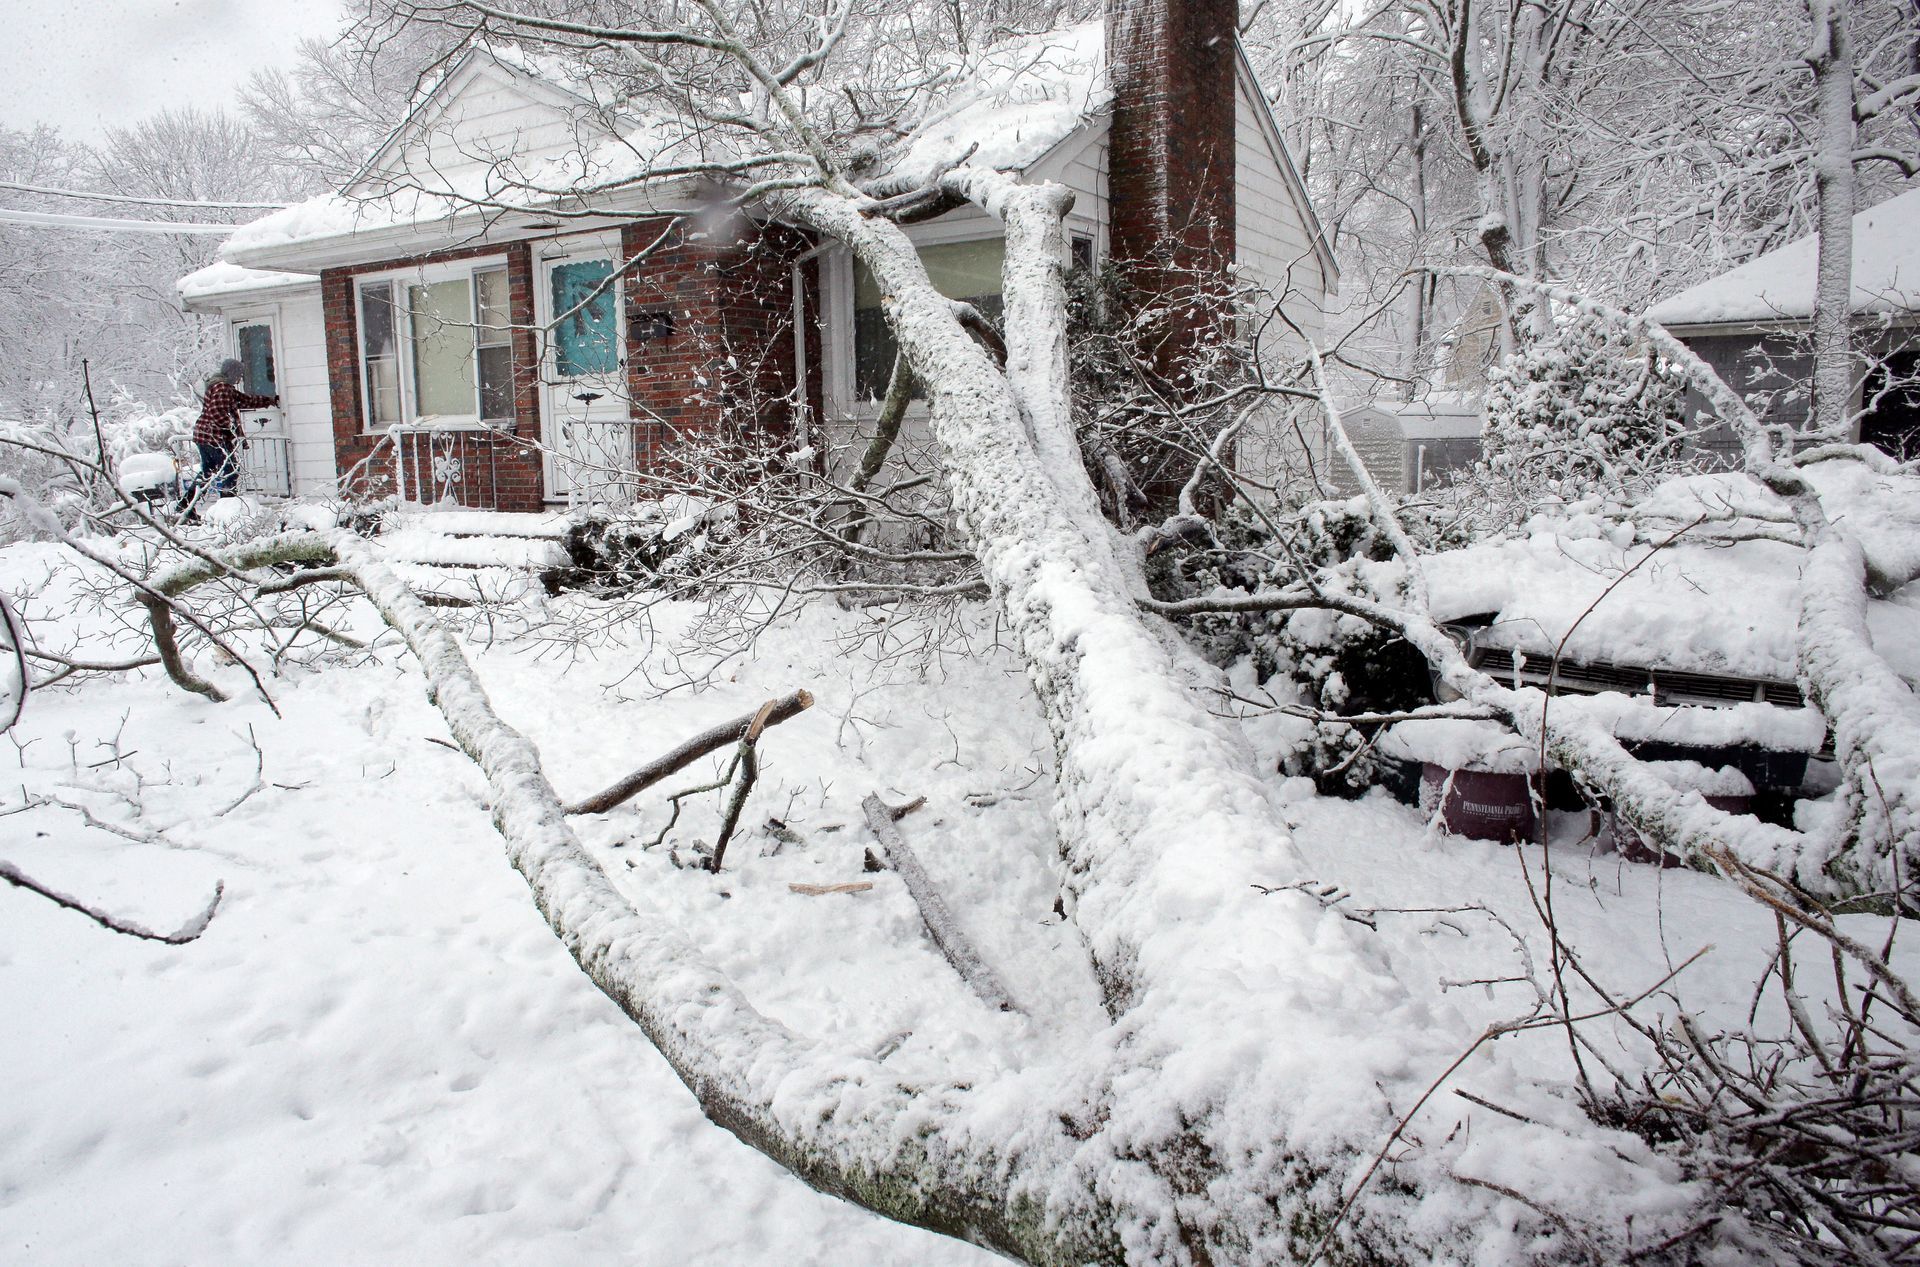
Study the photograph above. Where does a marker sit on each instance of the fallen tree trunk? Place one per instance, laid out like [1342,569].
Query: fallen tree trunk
[834,1117]
[1244,1081]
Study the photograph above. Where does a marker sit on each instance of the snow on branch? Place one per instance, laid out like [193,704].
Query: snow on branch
[836,1118]
[187,932]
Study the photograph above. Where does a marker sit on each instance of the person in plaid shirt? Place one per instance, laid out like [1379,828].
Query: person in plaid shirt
[217,435]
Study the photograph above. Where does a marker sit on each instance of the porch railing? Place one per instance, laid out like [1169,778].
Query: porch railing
[593,464]
[433,465]
[265,464]
[266,467]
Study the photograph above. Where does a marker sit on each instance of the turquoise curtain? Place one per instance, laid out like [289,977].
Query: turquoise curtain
[588,341]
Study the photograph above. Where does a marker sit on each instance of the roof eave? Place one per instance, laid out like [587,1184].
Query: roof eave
[218,301]
[471,226]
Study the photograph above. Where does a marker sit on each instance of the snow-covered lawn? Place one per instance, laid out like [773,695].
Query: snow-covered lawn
[379,1053]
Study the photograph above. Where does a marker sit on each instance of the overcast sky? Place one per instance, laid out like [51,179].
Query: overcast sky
[87,65]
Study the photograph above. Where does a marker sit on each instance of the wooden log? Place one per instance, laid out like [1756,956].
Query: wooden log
[749,763]
[692,750]
[941,925]
[819,890]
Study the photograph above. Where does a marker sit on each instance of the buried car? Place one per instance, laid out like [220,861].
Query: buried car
[1674,627]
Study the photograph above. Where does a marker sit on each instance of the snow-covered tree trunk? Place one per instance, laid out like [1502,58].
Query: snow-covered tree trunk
[1830,57]
[1164,827]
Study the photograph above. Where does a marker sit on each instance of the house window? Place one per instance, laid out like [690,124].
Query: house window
[437,348]
[255,344]
[968,271]
[586,338]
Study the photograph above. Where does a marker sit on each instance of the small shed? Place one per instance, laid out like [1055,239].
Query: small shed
[1413,445]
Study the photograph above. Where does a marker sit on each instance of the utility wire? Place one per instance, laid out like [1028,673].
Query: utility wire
[195,204]
[54,220]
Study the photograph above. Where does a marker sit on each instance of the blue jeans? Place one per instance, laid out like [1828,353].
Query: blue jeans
[219,471]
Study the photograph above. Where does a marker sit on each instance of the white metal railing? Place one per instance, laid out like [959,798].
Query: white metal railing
[439,465]
[264,464]
[593,465]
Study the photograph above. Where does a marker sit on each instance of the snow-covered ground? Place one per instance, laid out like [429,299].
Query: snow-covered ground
[378,1052]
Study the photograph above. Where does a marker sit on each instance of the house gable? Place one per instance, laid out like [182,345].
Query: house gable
[485,124]
[1281,239]
[1079,162]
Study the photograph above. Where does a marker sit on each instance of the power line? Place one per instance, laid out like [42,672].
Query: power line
[143,199]
[54,220]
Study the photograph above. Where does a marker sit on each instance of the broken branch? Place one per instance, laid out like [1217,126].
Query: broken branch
[941,925]
[180,937]
[749,762]
[692,750]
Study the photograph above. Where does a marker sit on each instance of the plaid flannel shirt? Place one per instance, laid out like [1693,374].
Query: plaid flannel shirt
[219,423]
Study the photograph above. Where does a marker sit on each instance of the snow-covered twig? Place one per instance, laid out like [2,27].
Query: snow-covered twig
[16,633]
[179,937]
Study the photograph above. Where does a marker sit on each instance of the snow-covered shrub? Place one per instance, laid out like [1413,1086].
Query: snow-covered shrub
[1322,660]
[58,457]
[1582,415]
[645,546]
[134,427]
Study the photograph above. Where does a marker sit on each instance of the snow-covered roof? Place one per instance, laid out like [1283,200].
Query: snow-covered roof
[1012,104]
[222,278]
[1008,106]
[1779,285]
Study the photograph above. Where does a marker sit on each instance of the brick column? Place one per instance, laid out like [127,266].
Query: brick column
[1171,166]
[724,374]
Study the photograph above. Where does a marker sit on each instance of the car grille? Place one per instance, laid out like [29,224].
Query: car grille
[1665,686]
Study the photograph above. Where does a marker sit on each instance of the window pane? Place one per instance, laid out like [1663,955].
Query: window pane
[442,333]
[966,270]
[587,341]
[490,300]
[256,353]
[383,391]
[376,319]
[379,355]
[958,270]
[496,383]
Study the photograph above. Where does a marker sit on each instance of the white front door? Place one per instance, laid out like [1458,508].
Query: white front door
[264,459]
[586,425]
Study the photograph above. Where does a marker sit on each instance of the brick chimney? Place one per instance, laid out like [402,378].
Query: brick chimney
[1171,164]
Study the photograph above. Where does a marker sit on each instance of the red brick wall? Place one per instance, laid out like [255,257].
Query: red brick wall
[1171,160]
[515,482]
[724,376]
